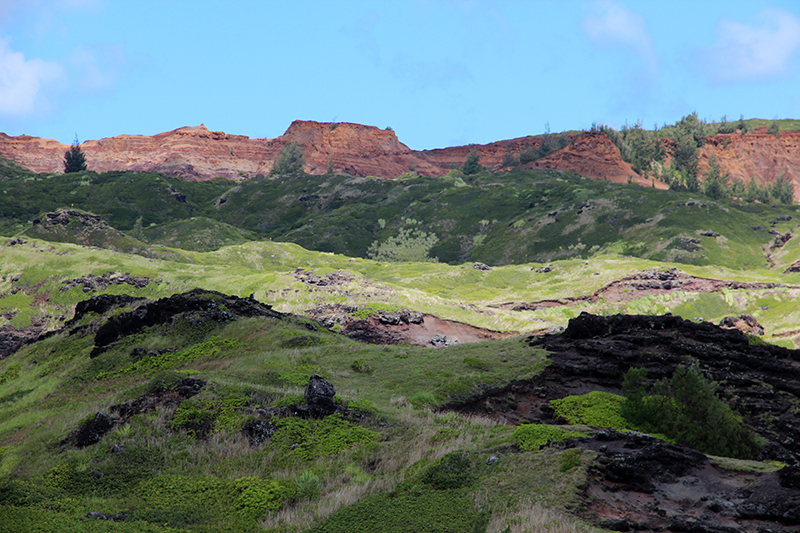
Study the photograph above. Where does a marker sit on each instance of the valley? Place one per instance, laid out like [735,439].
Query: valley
[188,343]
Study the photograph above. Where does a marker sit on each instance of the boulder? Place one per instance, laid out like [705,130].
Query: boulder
[319,397]
[93,430]
[744,323]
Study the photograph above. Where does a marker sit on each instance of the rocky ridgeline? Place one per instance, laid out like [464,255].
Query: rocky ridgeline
[196,153]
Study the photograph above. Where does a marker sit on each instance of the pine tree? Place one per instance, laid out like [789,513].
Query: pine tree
[74,160]
[472,164]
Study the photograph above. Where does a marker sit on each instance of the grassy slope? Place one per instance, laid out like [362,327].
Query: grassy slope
[166,480]
[454,292]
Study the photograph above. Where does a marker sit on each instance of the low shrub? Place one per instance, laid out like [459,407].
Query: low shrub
[423,399]
[450,472]
[530,437]
[309,439]
[569,459]
[596,408]
[362,367]
[254,497]
[308,486]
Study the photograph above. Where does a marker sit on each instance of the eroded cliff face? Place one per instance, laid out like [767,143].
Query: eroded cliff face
[196,153]
[762,156]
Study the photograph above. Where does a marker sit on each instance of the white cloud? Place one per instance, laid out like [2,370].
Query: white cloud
[614,24]
[754,52]
[25,84]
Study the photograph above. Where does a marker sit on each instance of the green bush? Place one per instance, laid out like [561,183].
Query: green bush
[290,161]
[411,244]
[409,511]
[308,486]
[423,399]
[362,367]
[255,497]
[472,163]
[687,410]
[596,408]
[317,438]
[362,406]
[569,459]
[450,472]
[531,437]
[773,128]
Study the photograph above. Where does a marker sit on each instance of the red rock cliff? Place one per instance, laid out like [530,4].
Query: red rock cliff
[195,153]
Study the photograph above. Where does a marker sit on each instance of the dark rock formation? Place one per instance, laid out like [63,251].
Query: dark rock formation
[639,483]
[207,305]
[259,431]
[12,339]
[91,431]
[744,323]
[319,397]
[100,283]
[759,381]
[403,316]
[100,304]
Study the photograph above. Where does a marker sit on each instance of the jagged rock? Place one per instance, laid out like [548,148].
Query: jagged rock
[12,339]
[481,266]
[319,395]
[92,430]
[259,431]
[646,460]
[17,241]
[789,476]
[96,515]
[205,304]
[403,316]
[166,396]
[102,303]
[99,283]
[744,323]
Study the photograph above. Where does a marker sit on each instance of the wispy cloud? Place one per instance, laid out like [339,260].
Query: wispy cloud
[33,86]
[613,24]
[754,51]
[26,85]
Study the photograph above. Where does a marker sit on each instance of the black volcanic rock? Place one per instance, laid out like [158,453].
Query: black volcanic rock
[319,397]
[210,305]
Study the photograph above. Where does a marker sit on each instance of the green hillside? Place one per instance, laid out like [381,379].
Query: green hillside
[511,218]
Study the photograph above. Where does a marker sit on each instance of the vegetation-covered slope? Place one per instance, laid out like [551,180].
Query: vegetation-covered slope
[511,218]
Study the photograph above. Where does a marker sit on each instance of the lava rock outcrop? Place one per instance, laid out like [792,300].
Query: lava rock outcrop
[205,304]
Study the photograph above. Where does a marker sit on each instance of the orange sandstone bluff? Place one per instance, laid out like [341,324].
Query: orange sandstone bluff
[195,153]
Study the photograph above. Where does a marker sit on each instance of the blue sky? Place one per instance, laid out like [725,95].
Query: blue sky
[440,73]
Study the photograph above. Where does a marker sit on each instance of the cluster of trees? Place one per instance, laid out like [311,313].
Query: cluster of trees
[644,150]
[290,160]
[686,408]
